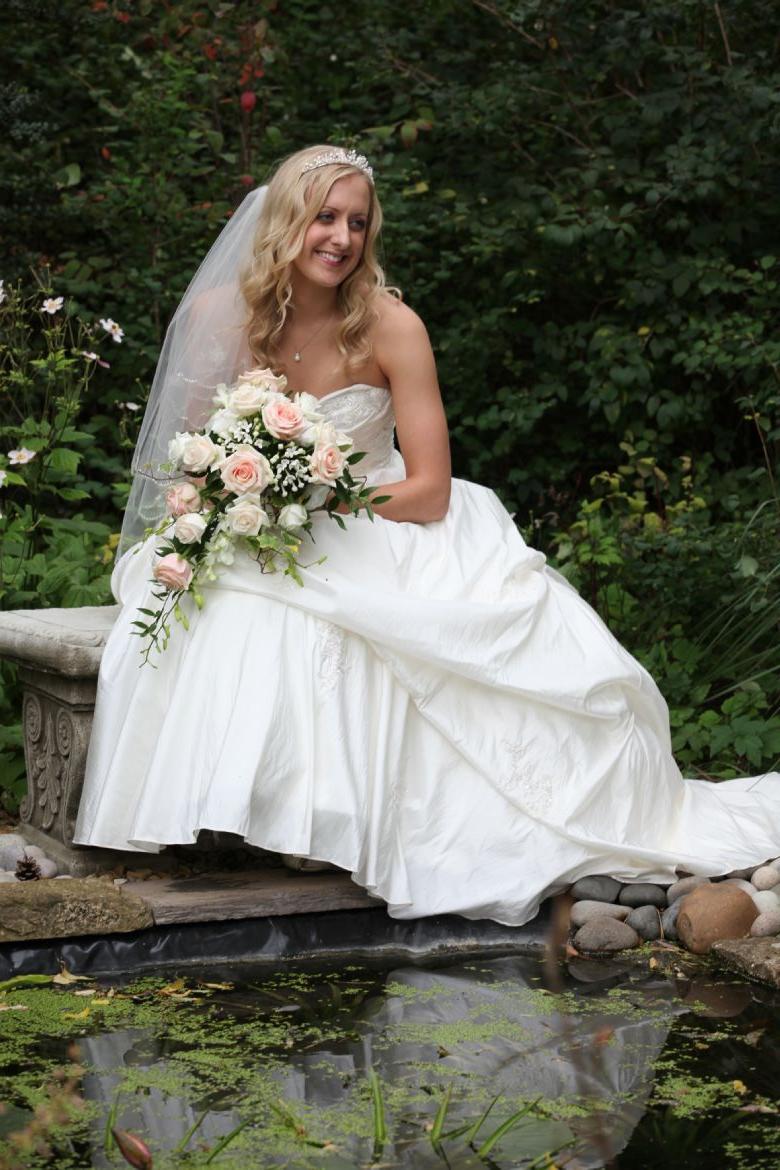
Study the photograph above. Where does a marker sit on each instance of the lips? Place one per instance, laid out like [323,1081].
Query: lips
[332,259]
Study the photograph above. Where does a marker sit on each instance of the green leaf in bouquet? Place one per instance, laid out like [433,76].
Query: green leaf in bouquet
[380,499]
[355,457]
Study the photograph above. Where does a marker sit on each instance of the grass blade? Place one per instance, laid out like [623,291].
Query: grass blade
[195,1125]
[477,1126]
[108,1137]
[505,1127]
[219,1147]
[379,1118]
[441,1114]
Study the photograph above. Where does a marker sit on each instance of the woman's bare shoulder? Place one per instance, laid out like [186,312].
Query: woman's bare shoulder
[396,321]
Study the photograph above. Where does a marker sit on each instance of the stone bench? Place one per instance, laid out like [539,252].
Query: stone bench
[58,653]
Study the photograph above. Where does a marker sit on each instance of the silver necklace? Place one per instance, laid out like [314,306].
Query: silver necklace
[297,353]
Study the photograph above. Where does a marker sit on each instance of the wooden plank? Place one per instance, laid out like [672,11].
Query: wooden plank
[258,893]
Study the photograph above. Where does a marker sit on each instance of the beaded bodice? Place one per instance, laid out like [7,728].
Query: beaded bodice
[366,413]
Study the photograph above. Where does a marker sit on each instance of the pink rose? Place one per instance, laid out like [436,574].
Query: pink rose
[182,498]
[327,463]
[246,470]
[283,418]
[173,572]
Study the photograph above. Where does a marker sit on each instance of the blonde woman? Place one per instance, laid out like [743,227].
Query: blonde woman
[436,711]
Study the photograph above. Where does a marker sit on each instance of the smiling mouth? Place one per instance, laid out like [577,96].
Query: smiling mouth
[332,259]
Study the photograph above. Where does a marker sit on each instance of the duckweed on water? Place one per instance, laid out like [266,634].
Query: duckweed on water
[628,1073]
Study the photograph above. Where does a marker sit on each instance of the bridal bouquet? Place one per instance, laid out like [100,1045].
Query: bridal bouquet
[251,479]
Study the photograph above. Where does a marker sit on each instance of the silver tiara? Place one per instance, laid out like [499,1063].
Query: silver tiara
[340,155]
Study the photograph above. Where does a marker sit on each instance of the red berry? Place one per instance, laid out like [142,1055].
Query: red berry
[248,101]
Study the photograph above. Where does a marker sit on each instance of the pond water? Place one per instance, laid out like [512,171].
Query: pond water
[499,1062]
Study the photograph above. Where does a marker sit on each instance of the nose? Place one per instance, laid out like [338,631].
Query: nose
[340,232]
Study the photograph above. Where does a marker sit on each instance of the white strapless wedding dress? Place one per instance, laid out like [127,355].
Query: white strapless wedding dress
[436,711]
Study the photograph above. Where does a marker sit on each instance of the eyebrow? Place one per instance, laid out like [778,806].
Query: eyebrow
[330,207]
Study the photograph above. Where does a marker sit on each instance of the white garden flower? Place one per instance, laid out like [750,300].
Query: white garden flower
[21,455]
[189,528]
[194,452]
[293,516]
[90,356]
[52,305]
[246,516]
[222,423]
[3,293]
[3,477]
[129,406]
[111,327]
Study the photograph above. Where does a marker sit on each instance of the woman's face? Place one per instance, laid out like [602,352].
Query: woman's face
[334,242]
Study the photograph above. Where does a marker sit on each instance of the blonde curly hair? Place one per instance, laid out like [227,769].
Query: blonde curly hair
[292,203]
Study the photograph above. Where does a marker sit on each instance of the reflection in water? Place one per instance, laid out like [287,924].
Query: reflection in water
[487,1027]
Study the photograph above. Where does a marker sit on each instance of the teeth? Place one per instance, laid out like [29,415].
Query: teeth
[330,256]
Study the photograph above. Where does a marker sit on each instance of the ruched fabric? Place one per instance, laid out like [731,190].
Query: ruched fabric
[436,711]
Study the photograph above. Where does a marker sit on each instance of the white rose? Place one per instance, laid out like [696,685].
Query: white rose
[245,517]
[248,399]
[194,452]
[293,516]
[222,423]
[309,405]
[189,528]
[266,379]
[318,495]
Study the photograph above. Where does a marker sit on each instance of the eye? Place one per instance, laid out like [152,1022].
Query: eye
[325,216]
[358,225]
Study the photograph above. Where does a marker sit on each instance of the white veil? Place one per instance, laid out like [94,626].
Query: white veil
[205,344]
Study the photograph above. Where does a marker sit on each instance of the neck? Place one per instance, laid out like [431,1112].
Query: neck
[311,302]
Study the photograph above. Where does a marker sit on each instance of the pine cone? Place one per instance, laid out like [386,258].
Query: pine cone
[27,869]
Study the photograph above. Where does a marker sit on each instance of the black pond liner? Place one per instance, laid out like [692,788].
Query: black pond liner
[367,935]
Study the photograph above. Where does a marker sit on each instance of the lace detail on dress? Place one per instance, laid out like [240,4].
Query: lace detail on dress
[332,644]
[365,413]
[528,781]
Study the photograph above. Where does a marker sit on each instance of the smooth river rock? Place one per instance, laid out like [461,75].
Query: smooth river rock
[582,912]
[766,877]
[646,921]
[643,894]
[766,900]
[758,958]
[598,888]
[714,912]
[42,910]
[767,925]
[12,848]
[669,920]
[683,887]
[604,934]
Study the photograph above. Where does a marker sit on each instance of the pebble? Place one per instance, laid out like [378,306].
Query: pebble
[582,912]
[741,884]
[713,912]
[646,921]
[669,920]
[11,850]
[598,888]
[605,934]
[35,851]
[766,900]
[683,887]
[47,867]
[766,877]
[766,925]
[643,894]
[5,876]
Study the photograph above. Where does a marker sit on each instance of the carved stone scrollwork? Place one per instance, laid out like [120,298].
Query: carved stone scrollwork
[49,735]
[56,733]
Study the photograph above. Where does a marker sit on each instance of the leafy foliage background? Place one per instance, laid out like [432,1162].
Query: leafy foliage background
[581,203]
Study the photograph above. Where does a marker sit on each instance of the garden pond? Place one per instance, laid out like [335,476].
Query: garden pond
[499,1061]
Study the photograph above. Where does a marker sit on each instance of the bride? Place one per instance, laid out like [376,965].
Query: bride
[436,710]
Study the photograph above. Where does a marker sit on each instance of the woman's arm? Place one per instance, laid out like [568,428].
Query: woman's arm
[404,354]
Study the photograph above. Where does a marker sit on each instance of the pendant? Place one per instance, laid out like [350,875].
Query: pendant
[296,356]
